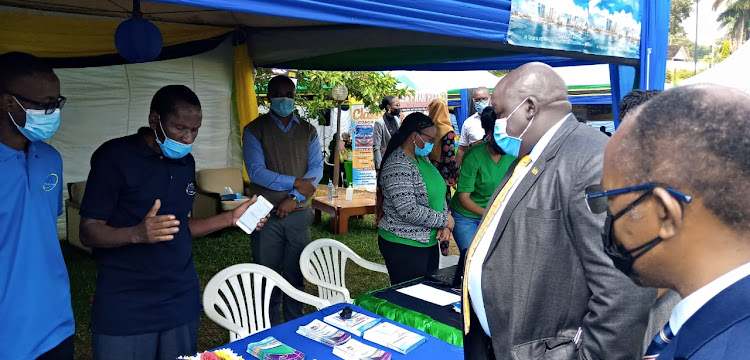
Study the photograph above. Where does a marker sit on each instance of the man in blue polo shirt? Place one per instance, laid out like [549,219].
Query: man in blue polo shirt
[135,215]
[36,319]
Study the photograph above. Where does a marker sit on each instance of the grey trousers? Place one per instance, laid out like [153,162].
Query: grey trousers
[278,245]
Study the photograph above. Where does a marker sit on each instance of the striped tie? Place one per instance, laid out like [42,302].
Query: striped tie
[659,343]
[517,171]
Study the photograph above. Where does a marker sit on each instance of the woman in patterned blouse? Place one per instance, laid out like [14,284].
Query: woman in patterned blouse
[443,155]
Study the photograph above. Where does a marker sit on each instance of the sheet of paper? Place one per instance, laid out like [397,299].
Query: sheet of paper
[430,294]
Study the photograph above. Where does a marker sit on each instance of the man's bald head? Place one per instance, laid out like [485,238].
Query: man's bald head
[694,138]
[533,98]
[533,79]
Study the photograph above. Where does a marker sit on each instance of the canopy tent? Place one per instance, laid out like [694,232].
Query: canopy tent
[305,34]
[731,72]
[335,34]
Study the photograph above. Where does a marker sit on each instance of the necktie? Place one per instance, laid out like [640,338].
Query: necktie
[659,343]
[517,171]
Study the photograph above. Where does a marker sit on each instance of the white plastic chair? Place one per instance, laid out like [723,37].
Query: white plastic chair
[323,263]
[238,298]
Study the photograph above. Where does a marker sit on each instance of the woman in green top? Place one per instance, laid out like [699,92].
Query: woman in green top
[414,211]
[482,170]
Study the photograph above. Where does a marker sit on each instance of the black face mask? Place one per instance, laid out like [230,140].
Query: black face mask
[395,112]
[622,258]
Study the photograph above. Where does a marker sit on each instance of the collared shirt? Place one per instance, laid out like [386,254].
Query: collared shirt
[268,179]
[475,269]
[471,130]
[35,310]
[141,288]
[693,302]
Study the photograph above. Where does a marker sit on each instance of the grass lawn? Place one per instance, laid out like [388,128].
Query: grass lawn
[213,254]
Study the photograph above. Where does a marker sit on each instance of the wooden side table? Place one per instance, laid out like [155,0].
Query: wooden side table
[341,210]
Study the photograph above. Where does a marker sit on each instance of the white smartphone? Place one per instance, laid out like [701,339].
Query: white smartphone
[252,216]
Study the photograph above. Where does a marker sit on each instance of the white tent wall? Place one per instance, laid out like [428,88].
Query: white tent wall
[731,72]
[113,101]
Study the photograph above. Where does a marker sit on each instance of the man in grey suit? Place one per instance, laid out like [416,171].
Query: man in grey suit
[537,283]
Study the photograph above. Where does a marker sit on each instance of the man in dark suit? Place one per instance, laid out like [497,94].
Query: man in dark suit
[537,283]
[677,179]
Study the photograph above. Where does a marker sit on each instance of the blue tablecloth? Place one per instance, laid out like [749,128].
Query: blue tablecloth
[433,348]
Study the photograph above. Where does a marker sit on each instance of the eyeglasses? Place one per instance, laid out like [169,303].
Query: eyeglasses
[48,108]
[431,138]
[596,199]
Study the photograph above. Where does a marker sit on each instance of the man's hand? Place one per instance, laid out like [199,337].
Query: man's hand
[286,206]
[154,228]
[451,222]
[305,187]
[238,211]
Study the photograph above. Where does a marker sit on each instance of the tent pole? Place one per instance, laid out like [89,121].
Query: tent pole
[648,68]
[336,150]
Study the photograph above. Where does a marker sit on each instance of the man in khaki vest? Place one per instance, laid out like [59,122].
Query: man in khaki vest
[284,161]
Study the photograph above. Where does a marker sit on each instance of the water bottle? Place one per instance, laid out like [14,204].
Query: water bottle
[350,193]
[330,190]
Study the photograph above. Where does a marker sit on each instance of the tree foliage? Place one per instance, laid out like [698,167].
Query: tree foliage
[680,10]
[724,50]
[314,89]
[675,76]
[736,18]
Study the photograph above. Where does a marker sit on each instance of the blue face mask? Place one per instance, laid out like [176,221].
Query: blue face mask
[426,150]
[282,106]
[39,126]
[170,148]
[510,145]
[479,106]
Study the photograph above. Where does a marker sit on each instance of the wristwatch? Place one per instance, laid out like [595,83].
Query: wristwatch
[293,197]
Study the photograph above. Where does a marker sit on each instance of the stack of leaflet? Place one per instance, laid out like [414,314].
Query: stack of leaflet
[355,350]
[394,337]
[272,349]
[356,325]
[323,333]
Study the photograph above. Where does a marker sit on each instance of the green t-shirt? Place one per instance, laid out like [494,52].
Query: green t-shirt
[480,176]
[436,189]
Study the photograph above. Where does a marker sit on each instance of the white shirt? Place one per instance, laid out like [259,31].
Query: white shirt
[475,268]
[691,304]
[471,130]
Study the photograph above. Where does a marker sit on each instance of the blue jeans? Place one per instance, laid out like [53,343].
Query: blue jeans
[464,230]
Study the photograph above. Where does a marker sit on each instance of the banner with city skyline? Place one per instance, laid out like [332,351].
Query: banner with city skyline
[601,27]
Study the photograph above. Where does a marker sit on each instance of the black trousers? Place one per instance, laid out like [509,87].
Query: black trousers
[63,351]
[406,262]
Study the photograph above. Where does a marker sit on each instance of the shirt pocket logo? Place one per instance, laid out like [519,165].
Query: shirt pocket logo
[50,182]
[190,190]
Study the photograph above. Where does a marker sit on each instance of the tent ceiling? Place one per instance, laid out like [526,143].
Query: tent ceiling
[354,34]
[161,12]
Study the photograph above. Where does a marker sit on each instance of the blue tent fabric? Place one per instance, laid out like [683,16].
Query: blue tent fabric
[654,40]
[462,111]
[478,19]
[653,64]
[590,100]
[622,81]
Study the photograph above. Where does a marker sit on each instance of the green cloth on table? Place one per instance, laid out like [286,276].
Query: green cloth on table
[436,190]
[480,176]
[411,318]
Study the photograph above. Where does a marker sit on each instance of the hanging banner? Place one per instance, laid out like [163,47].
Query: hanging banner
[363,164]
[601,27]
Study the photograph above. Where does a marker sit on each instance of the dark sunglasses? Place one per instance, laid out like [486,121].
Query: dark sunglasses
[49,107]
[596,199]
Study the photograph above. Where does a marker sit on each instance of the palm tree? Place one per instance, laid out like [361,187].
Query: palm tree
[736,18]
